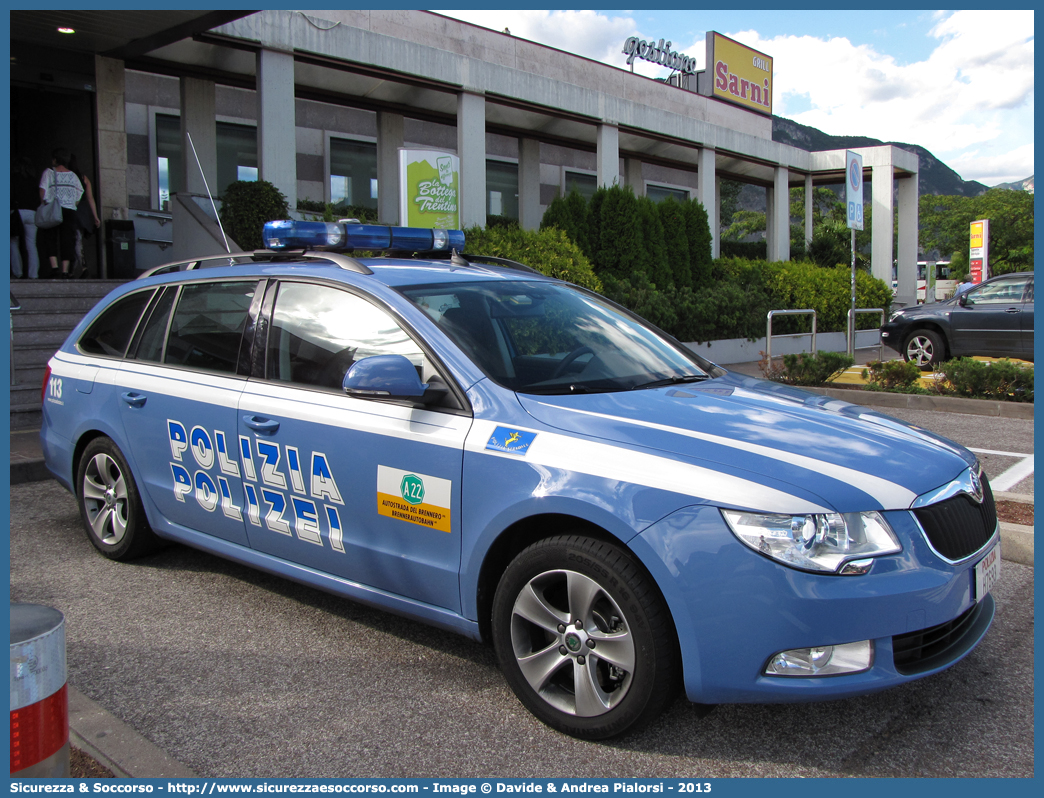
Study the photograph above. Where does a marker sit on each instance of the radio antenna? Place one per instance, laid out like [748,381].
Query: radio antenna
[228,249]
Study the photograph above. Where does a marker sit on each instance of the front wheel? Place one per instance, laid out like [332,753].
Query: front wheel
[110,506]
[584,638]
[924,348]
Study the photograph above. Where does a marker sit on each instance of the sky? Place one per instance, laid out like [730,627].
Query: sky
[958,83]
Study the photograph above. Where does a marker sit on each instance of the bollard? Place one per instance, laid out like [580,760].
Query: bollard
[39,696]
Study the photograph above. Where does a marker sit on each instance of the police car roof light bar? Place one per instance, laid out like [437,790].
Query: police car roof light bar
[345,237]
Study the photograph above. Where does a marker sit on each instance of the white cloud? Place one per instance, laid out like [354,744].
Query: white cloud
[990,170]
[962,95]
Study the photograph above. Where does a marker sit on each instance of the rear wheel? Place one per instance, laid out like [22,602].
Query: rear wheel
[924,348]
[584,638]
[110,506]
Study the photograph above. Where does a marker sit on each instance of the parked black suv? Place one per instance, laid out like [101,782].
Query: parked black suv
[994,319]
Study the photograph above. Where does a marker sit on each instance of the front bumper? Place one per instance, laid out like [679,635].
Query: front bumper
[734,609]
[892,336]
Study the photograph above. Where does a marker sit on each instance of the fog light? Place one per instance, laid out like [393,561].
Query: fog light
[822,660]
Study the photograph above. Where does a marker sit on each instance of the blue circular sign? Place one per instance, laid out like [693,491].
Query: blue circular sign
[855,173]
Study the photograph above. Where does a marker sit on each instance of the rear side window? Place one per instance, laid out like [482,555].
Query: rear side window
[112,330]
[208,325]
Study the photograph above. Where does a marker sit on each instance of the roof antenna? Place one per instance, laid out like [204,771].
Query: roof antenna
[228,249]
[457,260]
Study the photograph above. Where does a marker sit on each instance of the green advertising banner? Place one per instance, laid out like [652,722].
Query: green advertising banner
[429,189]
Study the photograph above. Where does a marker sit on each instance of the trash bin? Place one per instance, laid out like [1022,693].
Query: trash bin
[119,249]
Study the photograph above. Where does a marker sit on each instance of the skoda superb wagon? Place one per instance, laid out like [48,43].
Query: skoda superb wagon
[474,445]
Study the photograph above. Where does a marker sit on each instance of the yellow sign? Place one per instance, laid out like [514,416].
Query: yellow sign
[740,75]
[976,235]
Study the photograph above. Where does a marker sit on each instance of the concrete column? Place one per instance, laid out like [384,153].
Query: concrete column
[608,155]
[881,235]
[109,97]
[529,214]
[708,187]
[779,227]
[390,138]
[633,176]
[276,122]
[770,225]
[198,106]
[907,254]
[809,206]
[471,148]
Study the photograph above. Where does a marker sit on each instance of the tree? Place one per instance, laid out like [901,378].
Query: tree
[946,221]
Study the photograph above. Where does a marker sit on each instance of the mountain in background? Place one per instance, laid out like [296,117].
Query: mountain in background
[1018,185]
[934,177]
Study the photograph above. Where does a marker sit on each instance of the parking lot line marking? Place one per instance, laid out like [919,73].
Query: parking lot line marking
[1014,475]
[1002,454]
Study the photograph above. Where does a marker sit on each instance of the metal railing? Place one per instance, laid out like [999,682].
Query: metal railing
[15,305]
[768,329]
[852,331]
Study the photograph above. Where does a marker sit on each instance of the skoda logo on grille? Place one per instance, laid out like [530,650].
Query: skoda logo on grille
[976,485]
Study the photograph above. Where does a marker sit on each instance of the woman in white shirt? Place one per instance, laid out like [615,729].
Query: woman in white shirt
[61,241]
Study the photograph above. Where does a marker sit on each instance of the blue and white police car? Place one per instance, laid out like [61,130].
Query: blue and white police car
[469,443]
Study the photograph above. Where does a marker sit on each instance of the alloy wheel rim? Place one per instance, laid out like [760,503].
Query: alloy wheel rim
[105,499]
[572,643]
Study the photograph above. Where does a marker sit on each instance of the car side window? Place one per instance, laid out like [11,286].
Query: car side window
[318,332]
[112,330]
[150,347]
[207,327]
[1001,292]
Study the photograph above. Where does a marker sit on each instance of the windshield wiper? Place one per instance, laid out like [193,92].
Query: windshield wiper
[671,381]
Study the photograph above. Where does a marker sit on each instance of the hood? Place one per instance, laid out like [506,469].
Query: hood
[851,457]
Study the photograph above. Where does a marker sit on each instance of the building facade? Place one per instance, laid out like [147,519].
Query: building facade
[320,102]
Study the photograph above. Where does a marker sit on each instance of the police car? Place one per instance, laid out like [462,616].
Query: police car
[474,445]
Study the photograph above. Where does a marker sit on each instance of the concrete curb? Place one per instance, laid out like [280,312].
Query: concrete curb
[1017,543]
[944,404]
[116,745]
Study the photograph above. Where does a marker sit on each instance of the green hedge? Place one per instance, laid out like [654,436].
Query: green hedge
[245,207]
[548,251]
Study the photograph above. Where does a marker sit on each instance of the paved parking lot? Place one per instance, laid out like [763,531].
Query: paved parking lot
[237,673]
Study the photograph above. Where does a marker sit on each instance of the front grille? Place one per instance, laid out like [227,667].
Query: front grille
[924,650]
[959,527]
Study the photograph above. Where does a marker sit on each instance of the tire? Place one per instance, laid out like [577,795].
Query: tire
[110,505]
[614,672]
[924,348]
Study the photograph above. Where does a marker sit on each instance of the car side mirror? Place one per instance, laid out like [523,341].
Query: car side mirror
[384,377]
[962,300]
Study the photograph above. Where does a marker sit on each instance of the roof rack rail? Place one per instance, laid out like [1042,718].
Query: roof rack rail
[258,256]
[488,260]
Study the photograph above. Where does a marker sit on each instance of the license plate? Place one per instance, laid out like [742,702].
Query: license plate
[987,572]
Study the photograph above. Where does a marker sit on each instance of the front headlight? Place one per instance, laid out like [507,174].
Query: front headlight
[823,542]
[895,315]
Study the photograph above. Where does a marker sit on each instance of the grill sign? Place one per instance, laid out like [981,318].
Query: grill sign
[740,75]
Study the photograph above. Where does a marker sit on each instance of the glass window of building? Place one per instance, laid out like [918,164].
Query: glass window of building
[236,156]
[502,189]
[660,193]
[583,183]
[353,173]
[168,157]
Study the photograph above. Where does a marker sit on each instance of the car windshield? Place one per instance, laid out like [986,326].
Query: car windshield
[552,338]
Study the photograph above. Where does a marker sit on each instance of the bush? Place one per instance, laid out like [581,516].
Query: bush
[548,251]
[697,228]
[892,375]
[753,250]
[808,369]
[246,206]
[673,218]
[329,212]
[1003,379]
[570,214]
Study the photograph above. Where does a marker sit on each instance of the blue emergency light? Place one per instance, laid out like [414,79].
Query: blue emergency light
[348,236]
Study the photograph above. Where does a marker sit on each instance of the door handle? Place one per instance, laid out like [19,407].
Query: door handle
[134,399]
[266,426]
[1013,310]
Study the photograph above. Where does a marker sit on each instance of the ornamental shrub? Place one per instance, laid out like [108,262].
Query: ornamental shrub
[246,206]
[676,241]
[548,251]
[570,215]
[808,369]
[1004,380]
[697,227]
[892,375]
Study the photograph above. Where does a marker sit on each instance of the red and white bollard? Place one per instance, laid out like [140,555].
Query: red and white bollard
[39,695]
